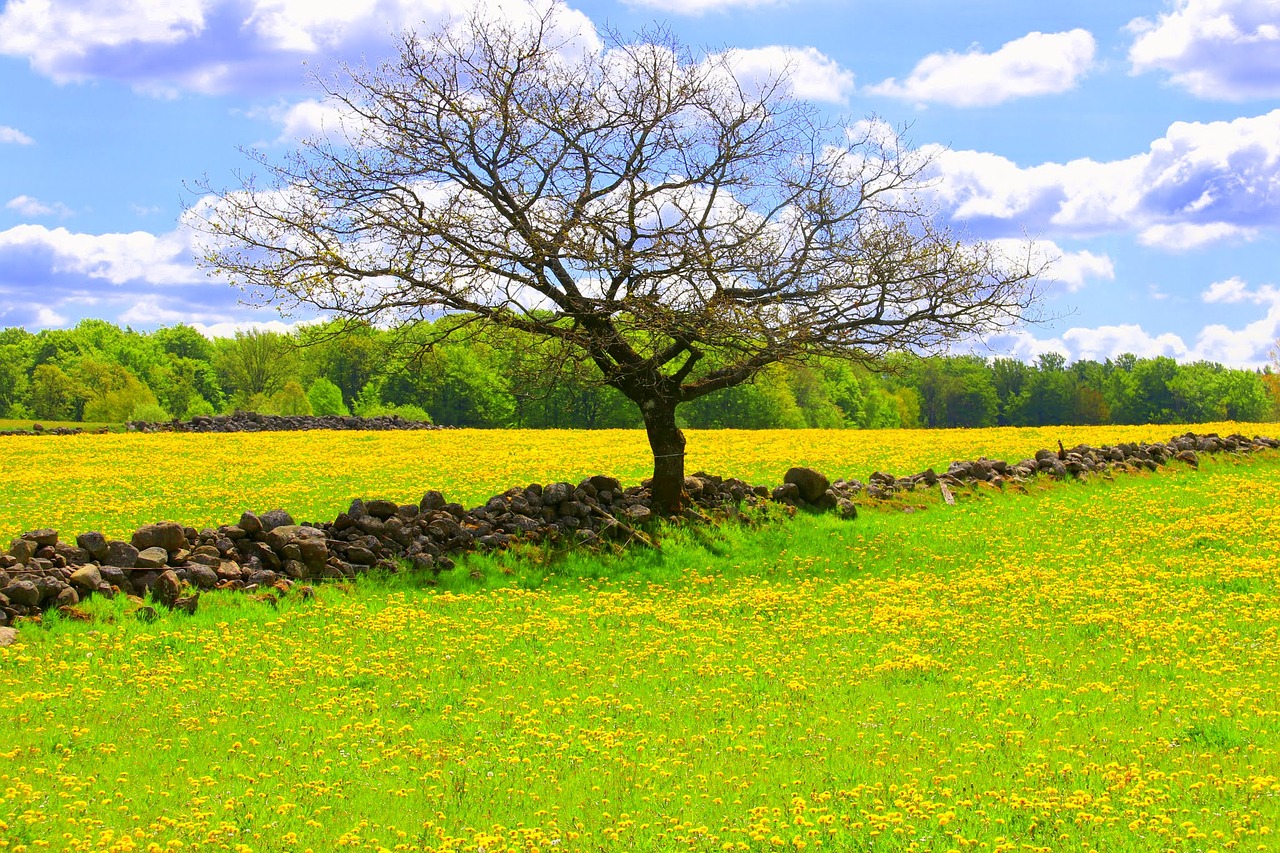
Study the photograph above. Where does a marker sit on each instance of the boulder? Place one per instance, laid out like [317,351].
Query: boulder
[165,534]
[154,557]
[121,554]
[8,636]
[43,536]
[23,550]
[167,590]
[273,519]
[22,592]
[250,524]
[88,578]
[381,509]
[809,483]
[432,501]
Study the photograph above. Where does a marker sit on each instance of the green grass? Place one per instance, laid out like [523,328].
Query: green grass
[1090,666]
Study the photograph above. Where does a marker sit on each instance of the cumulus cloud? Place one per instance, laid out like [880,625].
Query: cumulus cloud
[219,46]
[1073,270]
[1202,182]
[813,75]
[700,7]
[13,136]
[113,258]
[1036,64]
[29,206]
[1185,236]
[1219,49]
[1247,346]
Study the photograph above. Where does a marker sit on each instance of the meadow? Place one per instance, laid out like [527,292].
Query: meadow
[1088,666]
[114,483]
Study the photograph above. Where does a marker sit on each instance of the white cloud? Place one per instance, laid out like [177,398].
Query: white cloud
[1185,236]
[217,46]
[700,7]
[13,136]
[114,258]
[1235,291]
[228,328]
[1219,49]
[1202,182]
[28,206]
[812,75]
[1070,269]
[1036,64]
[47,318]
[1248,346]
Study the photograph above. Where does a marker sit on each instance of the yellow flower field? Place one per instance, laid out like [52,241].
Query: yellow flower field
[1089,667]
[114,483]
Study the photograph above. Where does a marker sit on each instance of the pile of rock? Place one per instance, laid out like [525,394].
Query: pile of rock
[270,550]
[255,422]
[1079,462]
[40,429]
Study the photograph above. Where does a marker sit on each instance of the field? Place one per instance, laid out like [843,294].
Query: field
[1084,667]
[114,483]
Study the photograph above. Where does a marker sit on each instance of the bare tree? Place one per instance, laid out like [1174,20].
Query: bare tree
[626,204]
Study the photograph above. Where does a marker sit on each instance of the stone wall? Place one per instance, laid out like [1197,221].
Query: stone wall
[271,550]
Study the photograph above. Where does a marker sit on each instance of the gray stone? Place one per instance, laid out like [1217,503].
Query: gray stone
[8,636]
[67,597]
[847,509]
[637,514]
[273,519]
[432,501]
[93,542]
[202,577]
[87,578]
[121,554]
[154,557]
[22,592]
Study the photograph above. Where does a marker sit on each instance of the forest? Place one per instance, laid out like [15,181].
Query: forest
[98,372]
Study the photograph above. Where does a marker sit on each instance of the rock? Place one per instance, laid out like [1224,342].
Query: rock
[847,509]
[1189,457]
[154,557]
[273,519]
[187,604]
[250,524]
[22,550]
[166,590]
[809,483]
[66,597]
[121,554]
[787,493]
[8,636]
[361,556]
[146,613]
[556,493]
[72,555]
[88,578]
[432,501]
[165,534]
[22,592]
[381,509]
[637,514]
[203,577]
[43,536]
[605,484]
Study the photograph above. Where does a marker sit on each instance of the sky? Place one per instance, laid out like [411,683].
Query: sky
[1137,143]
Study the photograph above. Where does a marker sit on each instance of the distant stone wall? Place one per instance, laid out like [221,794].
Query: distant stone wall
[272,551]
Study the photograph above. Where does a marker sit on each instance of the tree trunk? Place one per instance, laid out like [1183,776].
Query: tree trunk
[667,443]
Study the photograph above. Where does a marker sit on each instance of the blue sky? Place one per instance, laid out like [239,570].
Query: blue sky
[1137,142]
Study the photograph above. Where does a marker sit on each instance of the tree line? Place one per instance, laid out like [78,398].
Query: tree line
[100,372]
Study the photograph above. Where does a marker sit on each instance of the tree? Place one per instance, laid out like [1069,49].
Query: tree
[254,362]
[633,204]
[326,398]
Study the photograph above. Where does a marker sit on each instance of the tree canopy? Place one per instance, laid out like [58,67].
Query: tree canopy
[627,204]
